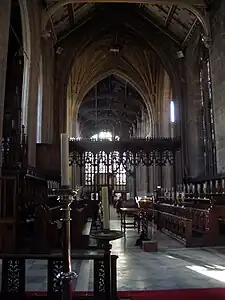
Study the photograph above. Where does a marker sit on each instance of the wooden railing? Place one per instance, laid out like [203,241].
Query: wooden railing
[199,217]
[14,275]
[179,227]
[186,223]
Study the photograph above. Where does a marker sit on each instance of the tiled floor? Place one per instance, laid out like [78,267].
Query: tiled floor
[172,267]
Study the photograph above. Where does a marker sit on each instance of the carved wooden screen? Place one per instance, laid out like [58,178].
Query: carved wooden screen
[113,162]
[104,168]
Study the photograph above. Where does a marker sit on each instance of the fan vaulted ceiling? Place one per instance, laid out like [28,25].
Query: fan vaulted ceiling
[174,21]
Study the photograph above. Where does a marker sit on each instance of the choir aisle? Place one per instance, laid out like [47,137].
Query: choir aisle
[181,272]
[173,267]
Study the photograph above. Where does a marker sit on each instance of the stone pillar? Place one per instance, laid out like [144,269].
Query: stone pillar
[192,107]
[48,56]
[32,111]
[34,17]
[5,12]
[217,56]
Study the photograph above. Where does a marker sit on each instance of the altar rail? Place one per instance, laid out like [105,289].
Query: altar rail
[14,276]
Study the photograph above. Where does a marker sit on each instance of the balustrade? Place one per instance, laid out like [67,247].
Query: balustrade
[14,275]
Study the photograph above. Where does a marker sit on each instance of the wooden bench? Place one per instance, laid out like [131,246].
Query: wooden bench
[193,226]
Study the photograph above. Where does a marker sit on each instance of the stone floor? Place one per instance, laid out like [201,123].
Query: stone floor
[172,267]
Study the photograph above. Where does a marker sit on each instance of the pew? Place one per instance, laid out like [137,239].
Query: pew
[48,226]
[20,194]
[31,217]
[193,224]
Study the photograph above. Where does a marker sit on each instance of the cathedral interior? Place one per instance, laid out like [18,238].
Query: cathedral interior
[112,161]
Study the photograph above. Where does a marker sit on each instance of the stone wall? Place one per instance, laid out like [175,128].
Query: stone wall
[217,55]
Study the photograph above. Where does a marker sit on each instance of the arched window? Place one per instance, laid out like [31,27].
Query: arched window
[172,111]
[104,135]
[39,107]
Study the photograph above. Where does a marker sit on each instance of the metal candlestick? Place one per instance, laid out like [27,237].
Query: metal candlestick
[65,198]
[104,239]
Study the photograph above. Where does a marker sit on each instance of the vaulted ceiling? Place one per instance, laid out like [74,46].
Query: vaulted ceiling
[111,105]
[136,42]
[174,21]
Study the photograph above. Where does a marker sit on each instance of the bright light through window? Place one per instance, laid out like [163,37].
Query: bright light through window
[104,135]
[172,112]
[101,166]
[215,272]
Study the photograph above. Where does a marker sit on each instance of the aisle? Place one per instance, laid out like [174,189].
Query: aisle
[172,267]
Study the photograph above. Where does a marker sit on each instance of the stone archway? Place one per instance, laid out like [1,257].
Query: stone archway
[68,58]
[125,77]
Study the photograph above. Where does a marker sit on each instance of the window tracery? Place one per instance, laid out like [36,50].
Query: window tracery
[104,164]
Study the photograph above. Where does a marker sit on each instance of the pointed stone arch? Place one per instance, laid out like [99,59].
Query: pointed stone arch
[122,75]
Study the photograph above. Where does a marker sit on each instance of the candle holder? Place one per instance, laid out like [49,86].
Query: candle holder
[65,198]
[199,190]
[188,190]
[223,186]
[211,187]
[217,187]
[205,189]
[103,238]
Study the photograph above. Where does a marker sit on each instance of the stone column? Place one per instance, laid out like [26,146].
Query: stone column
[48,56]
[217,58]
[34,18]
[5,12]
[192,108]
[32,111]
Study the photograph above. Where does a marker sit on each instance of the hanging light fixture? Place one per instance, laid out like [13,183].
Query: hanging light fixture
[115,48]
